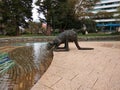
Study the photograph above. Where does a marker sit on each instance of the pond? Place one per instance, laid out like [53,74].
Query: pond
[22,67]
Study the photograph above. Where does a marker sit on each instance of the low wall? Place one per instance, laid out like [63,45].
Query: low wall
[49,38]
[100,38]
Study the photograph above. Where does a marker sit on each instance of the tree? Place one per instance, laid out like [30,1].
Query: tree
[45,8]
[15,14]
[82,9]
[64,14]
[58,13]
[1,19]
[119,11]
[34,27]
[104,15]
[90,25]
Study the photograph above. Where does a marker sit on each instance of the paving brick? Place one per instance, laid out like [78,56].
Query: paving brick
[97,69]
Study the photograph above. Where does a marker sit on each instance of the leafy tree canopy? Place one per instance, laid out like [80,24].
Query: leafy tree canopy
[64,14]
[14,13]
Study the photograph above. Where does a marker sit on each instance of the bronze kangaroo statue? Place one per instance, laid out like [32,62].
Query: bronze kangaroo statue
[64,38]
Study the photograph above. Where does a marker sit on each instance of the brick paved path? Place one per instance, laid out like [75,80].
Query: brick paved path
[97,69]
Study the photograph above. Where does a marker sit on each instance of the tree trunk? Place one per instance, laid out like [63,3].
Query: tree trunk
[48,30]
[17,31]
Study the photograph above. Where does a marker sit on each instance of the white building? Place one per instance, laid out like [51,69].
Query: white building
[110,6]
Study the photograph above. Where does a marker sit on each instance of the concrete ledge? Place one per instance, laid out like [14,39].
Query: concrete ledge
[49,38]
[100,38]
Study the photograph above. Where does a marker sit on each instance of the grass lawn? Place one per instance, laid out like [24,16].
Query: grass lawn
[42,36]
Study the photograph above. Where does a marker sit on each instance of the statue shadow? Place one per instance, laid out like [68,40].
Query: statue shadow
[60,50]
[64,50]
[86,48]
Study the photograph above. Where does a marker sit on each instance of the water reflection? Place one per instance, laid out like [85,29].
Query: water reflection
[31,61]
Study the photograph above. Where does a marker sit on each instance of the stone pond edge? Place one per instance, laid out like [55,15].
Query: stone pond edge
[49,38]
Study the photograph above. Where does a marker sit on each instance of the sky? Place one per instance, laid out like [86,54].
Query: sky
[35,14]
